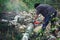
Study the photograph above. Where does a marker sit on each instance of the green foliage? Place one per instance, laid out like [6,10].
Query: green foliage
[30,3]
[7,5]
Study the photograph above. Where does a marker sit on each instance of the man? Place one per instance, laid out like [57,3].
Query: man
[47,11]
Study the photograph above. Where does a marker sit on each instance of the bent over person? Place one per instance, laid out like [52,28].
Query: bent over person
[48,13]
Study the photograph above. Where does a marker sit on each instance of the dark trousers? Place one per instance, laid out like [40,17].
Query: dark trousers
[47,19]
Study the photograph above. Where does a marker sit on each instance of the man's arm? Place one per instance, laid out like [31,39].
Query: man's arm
[36,16]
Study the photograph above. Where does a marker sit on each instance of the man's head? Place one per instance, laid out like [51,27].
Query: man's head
[36,4]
